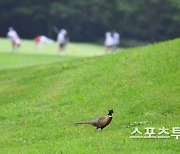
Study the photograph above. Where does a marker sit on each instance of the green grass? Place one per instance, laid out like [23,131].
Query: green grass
[28,54]
[9,60]
[40,104]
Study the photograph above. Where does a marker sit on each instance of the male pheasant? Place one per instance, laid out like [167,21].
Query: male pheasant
[100,122]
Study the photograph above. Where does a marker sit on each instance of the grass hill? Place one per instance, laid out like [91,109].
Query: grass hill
[39,105]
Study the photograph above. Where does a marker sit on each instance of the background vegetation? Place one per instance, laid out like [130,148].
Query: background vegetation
[88,20]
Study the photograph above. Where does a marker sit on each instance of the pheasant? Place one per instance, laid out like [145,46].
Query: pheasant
[101,122]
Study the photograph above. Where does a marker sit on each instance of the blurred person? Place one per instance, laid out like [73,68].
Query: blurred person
[41,39]
[14,37]
[109,41]
[116,38]
[62,40]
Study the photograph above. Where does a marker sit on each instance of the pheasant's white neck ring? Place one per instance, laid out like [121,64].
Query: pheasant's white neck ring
[110,116]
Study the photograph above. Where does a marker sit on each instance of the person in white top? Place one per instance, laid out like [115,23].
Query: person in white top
[14,37]
[109,41]
[62,40]
[41,39]
[116,38]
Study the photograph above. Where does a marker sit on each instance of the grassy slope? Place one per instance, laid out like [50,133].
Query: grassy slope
[39,105]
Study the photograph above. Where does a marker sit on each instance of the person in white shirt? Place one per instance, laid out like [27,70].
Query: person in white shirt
[62,40]
[109,41]
[116,38]
[14,37]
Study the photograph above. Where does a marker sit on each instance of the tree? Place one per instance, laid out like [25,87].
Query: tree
[144,20]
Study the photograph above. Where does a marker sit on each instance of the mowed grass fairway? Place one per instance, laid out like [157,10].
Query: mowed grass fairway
[28,54]
[39,105]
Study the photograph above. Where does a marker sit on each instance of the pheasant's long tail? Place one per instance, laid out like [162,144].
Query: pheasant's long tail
[85,122]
